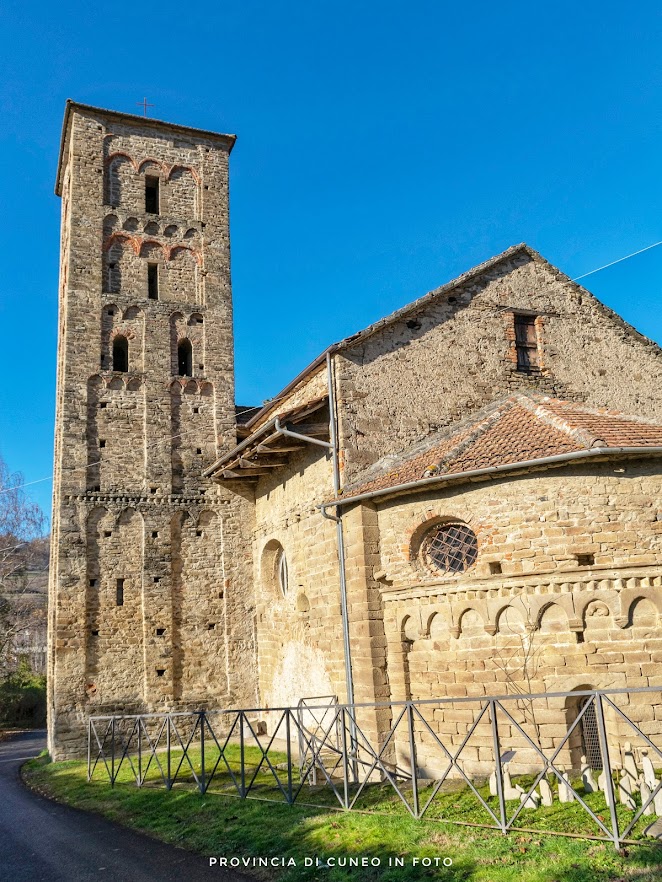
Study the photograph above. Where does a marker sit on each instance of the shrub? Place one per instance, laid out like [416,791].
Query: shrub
[23,698]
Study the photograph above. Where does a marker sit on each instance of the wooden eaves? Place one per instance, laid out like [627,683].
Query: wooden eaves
[267,448]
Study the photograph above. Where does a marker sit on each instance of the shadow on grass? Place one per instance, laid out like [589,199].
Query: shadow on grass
[221,826]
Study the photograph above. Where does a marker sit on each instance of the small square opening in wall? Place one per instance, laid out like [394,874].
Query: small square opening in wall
[155,534]
[102,443]
[198,533]
[152,489]
[103,405]
[97,488]
[220,595]
[160,632]
[211,626]
[95,632]
[495,568]
[196,410]
[157,579]
[585,560]
[107,533]
[198,450]
[93,583]
[201,367]
[160,672]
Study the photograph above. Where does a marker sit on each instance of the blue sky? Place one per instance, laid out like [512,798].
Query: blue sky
[383,148]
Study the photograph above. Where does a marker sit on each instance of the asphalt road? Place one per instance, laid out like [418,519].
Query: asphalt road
[43,841]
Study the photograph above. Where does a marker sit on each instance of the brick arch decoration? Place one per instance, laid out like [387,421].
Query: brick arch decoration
[145,245]
[436,619]
[121,154]
[137,243]
[120,236]
[115,182]
[206,518]
[132,312]
[110,224]
[122,331]
[610,600]
[175,250]
[642,598]
[501,618]
[127,516]
[410,624]
[151,161]
[187,168]
[547,607]
[478,608]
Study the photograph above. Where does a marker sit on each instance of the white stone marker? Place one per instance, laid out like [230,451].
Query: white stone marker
[565,790]
[546,795]
[588,780]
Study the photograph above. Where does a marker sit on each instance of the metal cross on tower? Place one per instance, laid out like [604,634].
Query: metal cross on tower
[144,104]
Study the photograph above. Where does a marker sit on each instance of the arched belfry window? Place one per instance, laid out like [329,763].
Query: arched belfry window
[121,354]
[185,358]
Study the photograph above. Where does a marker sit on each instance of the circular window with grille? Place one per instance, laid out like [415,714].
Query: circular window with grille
[449,548]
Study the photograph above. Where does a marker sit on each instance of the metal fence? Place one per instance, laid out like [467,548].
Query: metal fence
[583,763]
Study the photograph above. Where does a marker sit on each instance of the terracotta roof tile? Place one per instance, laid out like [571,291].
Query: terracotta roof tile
[519,428]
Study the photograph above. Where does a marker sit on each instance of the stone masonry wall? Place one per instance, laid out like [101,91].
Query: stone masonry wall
[299,632]
[457,354]
[150,567]
[591,626]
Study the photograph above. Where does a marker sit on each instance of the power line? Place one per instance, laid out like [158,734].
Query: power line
[90,465]
[108,459]
[614,262]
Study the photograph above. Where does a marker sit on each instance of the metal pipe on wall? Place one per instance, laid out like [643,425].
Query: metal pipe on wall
[333,437]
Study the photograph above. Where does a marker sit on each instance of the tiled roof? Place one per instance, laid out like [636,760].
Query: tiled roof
[516,429]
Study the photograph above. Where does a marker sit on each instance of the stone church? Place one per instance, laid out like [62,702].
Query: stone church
[481,464]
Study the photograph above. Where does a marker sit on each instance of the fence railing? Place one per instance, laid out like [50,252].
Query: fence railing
[583,763]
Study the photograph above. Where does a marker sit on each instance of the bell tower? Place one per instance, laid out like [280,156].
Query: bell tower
[143,611]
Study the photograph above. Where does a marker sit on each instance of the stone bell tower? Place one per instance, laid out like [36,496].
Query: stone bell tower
[144,612]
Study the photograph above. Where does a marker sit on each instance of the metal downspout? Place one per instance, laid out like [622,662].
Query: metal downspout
[333,433]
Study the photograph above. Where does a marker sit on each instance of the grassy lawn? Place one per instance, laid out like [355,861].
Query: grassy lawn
[220,824]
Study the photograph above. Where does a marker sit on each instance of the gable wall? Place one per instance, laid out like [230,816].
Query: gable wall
[401,384]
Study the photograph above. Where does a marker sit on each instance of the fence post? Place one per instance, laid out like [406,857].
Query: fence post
[242,756]
[112,752]
[345,759]
[201,719]
[289,757]
[499,771]
[89,747]
[606,768]
[412,757]
[140,753]
[169,784]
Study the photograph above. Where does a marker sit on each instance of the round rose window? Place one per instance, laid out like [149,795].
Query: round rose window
[450,548]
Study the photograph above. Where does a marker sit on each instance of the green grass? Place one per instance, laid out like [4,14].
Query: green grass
[219,824]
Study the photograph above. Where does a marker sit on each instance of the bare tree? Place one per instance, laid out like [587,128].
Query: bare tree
[518,654]
[23,554]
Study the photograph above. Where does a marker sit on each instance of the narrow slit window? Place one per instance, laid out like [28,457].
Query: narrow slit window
[120,592]
[153,281]
[185,358]
[151,195]
[121,354]
[526,343]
